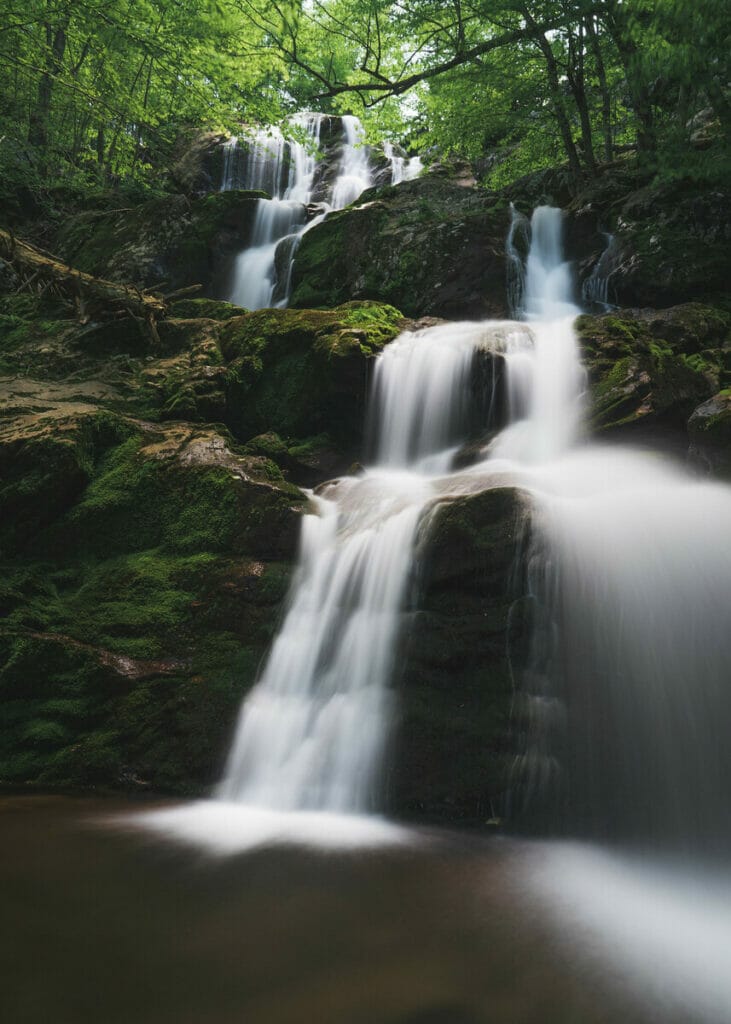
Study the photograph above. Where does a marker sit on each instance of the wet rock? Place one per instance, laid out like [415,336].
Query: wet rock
[709,428]
[166,243]
[304,372]
[144,565]
[650,368]
[453,742]
[197,162]
[430,247]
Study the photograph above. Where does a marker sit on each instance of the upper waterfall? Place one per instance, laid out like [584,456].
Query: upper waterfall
[303,190]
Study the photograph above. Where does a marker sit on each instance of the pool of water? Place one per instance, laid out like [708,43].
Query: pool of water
[108,920]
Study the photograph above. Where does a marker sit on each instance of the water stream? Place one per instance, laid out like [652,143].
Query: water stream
[287,168]
[626,700]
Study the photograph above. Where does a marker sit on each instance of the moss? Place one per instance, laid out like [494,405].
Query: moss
[428,247]
[170,241]
[212,309]
[127,639]
[648,365]
[453,755]
[298,372]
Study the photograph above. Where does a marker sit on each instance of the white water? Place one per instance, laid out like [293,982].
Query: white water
[595,290]
[287,170]
[629,689]
[402,168]
[313,731]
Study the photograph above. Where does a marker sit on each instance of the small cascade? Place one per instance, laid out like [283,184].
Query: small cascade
[269,161]
[423,401]
[516,250]
[354,174]
[403,168]
[544,385]
[286,170]
[595,290]
[312,732]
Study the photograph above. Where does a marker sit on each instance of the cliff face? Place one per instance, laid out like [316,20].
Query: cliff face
[150,495]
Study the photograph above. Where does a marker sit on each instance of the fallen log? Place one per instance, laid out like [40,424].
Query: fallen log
[93,297]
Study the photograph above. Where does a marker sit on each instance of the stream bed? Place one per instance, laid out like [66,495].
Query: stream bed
[105,921]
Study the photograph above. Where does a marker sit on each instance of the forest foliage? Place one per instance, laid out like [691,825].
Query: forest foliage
[100,92]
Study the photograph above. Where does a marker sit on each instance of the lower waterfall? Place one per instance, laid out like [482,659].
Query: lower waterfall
[625,708]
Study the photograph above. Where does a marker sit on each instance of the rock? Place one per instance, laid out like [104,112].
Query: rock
[197,162]
[709,428]
[304,372]
[650,368]
[207,309]
[427,246]
[306,462]
[675,245]
[166,243]
[144,565]
[453,744]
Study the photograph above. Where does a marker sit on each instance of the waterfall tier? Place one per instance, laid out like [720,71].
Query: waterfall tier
[623,703]
[325,171]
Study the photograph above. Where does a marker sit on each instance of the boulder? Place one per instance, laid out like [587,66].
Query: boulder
[304,372]
[709,428]
[167,243]
[429,246]
[144,566]
[650,368]
[454,743]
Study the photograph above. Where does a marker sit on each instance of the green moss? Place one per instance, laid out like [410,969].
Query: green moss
[212,309]
[298,372]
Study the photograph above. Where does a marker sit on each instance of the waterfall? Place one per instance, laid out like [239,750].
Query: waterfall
[312,733]
[402,168]
[287,169]
[546,382]
[629,705]
[624,704]
[595,290]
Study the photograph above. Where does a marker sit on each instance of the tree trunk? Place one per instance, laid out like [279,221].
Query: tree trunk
[578,88]
[39,118]
[601,73]
[639,94]
[558,103]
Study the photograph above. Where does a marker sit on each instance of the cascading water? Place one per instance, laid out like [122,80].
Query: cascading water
[595,290]
[287,169]
[403,168]
[312,733]
[627,697]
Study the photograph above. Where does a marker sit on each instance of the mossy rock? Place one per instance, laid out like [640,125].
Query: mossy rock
[454,742]
[709,428]
[143,567]
[649,367]
[208,309]
[304,372]
[170,242]
[428,246]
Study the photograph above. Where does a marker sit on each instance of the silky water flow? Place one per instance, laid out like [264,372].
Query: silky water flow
[624,704]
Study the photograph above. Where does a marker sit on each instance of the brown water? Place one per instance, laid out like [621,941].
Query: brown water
[112,927]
